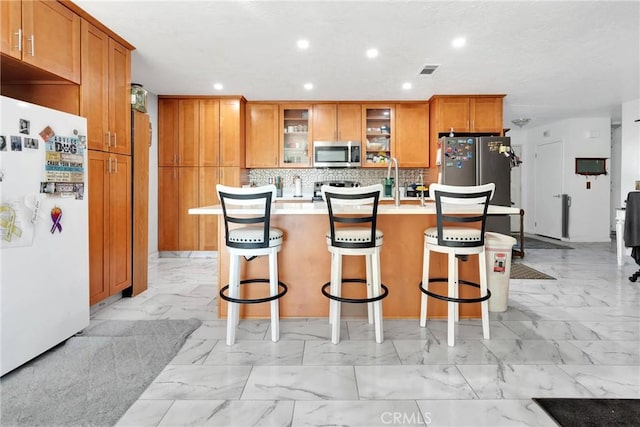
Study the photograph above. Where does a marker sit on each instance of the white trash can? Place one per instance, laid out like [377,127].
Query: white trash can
[498,252]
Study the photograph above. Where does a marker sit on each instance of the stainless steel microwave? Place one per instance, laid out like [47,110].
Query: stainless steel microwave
[336,154]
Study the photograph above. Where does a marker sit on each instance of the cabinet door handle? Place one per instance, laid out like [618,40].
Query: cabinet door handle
[109,166]
[115,169]
[115,140]
[108,138]
[19,35]
[32,39]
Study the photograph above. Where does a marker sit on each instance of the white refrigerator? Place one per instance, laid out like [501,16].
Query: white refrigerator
[44,242]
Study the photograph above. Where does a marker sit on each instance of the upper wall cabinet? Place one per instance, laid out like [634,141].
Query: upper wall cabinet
[295,139]
[337,122]
[105,91]
[262,129]
[464,114]
[201,132]
[44,34]
[378,134]
[412,135]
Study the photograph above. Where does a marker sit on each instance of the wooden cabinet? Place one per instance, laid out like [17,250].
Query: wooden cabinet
[177,192]
[44,34]
[478,114]
[105,91]
[378,134]
[337,122]
[412,135]
[295,137]
[262,130]
[197,138]
[466,114]
[109,181]
[140,203]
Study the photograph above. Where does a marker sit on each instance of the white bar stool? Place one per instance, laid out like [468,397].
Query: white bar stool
[250,241]
[457,242]
[354,241]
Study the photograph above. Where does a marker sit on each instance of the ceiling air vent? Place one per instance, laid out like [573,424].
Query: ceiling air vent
[428,69]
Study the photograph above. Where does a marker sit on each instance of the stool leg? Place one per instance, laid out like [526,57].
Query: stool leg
[370,287]
[484,305]
[377,290]
[425,284]
[452,284]
[273,285]
[332,288]
[456,288]
[234,288]
[336,289]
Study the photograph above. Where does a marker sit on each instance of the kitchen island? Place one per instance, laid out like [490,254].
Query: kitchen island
[304,263]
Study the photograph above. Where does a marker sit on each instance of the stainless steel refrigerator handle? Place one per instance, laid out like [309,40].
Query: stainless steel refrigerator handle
[19,34]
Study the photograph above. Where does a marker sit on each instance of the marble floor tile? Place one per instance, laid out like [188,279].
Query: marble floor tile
[412,382]
[179,382]
[228,413]
[301,383]
[437,352]
[485,413]
[504,381]
[251,352]
[145,413]
[193,352]
[394,329]
[537,352]
[551,329]
[607,381]
[350,353]
[247,329]
[613,331]
[357,413]
[577,336]
[469,329]
[611,352]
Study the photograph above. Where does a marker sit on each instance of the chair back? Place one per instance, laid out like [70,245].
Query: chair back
[448,197]
[256,205]
[340,199]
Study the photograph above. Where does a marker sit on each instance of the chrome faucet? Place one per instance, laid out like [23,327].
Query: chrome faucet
[396,184]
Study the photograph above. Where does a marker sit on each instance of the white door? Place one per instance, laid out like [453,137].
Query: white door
[548,192]
[516,192]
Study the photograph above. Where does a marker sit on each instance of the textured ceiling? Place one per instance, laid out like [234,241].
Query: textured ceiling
[553,60]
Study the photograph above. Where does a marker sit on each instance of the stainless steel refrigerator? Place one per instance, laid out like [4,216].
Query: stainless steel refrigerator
[472,160]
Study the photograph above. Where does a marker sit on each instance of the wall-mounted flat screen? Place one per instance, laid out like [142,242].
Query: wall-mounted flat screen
[591,165]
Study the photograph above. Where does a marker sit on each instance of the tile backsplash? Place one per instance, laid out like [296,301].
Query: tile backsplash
[365,176]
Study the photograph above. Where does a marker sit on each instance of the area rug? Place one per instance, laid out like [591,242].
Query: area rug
[94,377]
[591,412]
[533,243]
[521,271]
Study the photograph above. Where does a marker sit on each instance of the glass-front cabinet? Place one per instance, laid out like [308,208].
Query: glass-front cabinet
[295,139]
[378,141]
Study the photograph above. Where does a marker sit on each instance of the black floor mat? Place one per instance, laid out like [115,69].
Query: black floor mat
[591,412]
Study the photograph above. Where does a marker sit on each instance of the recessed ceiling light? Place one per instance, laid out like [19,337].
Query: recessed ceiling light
[458,42]
[406,86]
[218,86]
[372,53]
[303,44]
[308,86]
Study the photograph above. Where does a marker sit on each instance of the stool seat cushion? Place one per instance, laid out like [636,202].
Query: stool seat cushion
[354,234]
[254,234]
[453,234]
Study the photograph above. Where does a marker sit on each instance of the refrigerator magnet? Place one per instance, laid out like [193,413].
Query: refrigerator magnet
[46,133]
[56,217]
[16,143]
[25,126]
[3,143]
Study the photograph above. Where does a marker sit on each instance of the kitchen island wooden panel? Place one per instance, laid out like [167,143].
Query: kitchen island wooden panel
[304,264]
